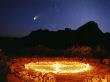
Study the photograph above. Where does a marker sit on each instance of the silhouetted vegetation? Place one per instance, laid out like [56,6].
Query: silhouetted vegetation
[3,66]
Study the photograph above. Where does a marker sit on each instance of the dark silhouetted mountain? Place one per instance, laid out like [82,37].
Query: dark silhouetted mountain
[90,29]
[88,35]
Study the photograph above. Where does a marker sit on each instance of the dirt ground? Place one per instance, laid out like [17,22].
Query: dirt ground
[101,70]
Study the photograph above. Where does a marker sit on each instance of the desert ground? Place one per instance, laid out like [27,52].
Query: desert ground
[99,72]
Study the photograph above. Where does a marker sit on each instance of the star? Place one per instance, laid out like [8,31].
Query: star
[56,8]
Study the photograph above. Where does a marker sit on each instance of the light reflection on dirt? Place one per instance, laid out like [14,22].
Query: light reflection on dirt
[100,70]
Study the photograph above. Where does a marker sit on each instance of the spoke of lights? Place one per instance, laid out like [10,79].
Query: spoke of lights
[58,67]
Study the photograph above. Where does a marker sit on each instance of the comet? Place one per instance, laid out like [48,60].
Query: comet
[36,18]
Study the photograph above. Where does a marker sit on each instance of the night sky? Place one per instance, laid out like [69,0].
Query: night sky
[20,17]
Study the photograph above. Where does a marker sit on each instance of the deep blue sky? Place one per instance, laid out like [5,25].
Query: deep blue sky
[17,16]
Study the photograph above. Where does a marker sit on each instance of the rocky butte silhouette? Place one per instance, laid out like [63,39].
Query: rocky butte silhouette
[89,29]
[88,34]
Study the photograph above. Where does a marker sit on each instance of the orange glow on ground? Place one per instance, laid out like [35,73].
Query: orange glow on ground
[60,67]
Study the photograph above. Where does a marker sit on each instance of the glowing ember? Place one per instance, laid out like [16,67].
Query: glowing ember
[58,67]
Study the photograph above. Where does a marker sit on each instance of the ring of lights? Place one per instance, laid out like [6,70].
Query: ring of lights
[58,67]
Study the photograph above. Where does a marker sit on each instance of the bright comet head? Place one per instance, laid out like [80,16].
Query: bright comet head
[35,18]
